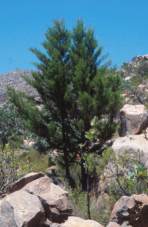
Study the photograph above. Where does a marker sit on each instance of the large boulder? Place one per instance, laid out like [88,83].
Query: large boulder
[34,201]
[21,209]
[131,211]
[79,222]
[136,146]
[53,197]
[113,224]
[133,119]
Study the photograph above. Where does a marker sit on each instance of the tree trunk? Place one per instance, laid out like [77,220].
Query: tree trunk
[83,175]
[66,145]
[83,171]
[88,196]
[66,153]
[67,170]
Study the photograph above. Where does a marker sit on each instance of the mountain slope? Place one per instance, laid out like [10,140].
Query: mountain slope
[135,75]
[15,80]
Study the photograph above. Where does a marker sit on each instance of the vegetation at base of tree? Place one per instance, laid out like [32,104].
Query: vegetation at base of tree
[78,201]
[74,88]
[130,176]
[124,175]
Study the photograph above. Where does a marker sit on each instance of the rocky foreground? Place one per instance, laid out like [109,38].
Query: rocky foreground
[35,201]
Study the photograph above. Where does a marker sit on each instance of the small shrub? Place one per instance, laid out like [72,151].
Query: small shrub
[8,168]
[127,176]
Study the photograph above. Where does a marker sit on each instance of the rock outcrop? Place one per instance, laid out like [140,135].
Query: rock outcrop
[21,209]
[138,65]
[34,201]
[135,74]
[133,119]
[113,224]
[79,222]
[131,211]
[53,197]
[38,202]
[19,184]
[16,80]
[135,146]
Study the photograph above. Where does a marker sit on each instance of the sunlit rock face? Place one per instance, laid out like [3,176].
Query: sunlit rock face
[133,119]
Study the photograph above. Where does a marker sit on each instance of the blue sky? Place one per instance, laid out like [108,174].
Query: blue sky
[121,26]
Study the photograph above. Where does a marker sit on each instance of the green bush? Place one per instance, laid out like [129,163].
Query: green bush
[8,168]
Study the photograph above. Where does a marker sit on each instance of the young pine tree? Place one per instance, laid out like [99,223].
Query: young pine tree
[72,90]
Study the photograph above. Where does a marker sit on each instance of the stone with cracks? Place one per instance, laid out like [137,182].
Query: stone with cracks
[21,209]
[53,197]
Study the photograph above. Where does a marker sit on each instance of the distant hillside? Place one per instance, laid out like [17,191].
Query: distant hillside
[135,74]
[138,66]
[15,80]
